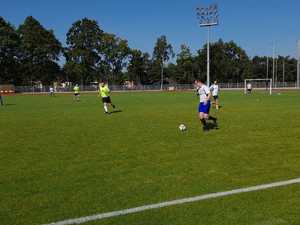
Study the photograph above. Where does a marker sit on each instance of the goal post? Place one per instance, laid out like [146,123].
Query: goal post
[259,84]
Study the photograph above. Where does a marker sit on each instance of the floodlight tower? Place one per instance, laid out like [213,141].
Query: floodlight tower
[283,71]
[274,62]
[298,64]
[208,17]
[267,67]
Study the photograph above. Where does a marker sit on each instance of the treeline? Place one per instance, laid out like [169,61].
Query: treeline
[31,54]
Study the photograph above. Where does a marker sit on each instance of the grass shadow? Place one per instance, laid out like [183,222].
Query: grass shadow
[8,104]
[116,111]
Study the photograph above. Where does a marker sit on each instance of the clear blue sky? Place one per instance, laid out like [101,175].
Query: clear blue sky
[253,24]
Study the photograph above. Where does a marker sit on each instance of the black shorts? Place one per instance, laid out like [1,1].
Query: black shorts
[106,100]
[76,94]
[216,97]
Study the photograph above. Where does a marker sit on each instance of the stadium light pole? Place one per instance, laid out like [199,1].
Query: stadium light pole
[267,67]
[276,74]
[298,73]
[208,17]
[283,72]
[298,65]
[274,52]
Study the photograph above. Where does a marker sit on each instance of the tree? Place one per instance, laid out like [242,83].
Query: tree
[229,62]
[185,68]
[138,66]
[290,69]
[39,47]
[259,68]
[238,62]
[114,52]
[9,53]
[162,53]
[82,55]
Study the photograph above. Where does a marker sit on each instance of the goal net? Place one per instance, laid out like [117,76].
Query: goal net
[263,85]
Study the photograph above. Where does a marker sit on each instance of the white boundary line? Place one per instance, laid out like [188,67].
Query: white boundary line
[101,216]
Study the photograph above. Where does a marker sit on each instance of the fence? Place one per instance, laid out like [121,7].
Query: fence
[178,87]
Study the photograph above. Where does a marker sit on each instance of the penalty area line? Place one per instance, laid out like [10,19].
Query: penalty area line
[199,198]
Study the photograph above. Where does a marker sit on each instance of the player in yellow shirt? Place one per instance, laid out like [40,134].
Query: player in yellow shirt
[104,93]
[76,90]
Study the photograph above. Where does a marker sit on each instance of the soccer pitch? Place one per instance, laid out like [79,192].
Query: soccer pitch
[62,159]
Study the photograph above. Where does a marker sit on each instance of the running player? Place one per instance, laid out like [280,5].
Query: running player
[215,93]
[76,90]
[204,106]
[104,93]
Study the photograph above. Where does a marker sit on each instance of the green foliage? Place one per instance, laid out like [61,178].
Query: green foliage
[139,64]
[39,49]
[162,53]
[229,62]
[259,68]
[93,54]
[83,41]
[114,52]
[9,52]
[185,66]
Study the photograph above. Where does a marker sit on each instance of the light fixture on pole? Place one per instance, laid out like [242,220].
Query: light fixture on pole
[208,17]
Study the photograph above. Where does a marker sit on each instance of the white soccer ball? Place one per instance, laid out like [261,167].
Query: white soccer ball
[182,127]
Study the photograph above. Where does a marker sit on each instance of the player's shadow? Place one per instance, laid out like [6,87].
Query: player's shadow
[8,104]
[116,111]
[220,106]
[212,126]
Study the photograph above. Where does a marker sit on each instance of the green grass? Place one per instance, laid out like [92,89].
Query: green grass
[62,159]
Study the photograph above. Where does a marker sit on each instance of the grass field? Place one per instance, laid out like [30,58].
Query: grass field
[61,159]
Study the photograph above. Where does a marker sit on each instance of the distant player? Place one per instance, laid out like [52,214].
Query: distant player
[215,93]
[76,90]
[104,93]
[1,100]
[51,91]
[204,106]
[249,88]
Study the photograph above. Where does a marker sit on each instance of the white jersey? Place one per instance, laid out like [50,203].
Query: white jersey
[214,89]
[203,93]
[51,90]
[249,86]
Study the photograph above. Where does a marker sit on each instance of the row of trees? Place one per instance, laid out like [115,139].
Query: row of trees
[31,53]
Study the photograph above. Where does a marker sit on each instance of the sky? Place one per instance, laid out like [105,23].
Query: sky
[253,24]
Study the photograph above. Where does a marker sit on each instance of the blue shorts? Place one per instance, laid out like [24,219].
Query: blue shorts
[204,108]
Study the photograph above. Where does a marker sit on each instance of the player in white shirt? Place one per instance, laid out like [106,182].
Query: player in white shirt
[204,106]
[215,93]
[249,88]
[51,91]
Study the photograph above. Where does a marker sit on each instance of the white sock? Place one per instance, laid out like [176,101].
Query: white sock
[105,108]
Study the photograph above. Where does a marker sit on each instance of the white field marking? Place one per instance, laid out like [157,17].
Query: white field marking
[101,216]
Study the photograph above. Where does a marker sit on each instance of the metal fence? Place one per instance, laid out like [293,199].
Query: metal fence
[175,87]
[94,88]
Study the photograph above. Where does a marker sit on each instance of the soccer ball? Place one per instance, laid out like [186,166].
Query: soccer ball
[182,127]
